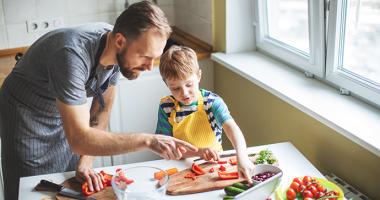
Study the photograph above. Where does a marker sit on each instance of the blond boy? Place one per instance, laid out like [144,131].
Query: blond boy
[196,115]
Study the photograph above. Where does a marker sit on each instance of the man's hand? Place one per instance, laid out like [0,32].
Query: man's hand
[169,148]
[246,168]
[208,154]
[85,172]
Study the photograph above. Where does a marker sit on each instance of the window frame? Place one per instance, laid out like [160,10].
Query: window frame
[334,74]
[315,63]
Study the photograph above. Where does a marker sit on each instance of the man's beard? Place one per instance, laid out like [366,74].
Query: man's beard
[127,73]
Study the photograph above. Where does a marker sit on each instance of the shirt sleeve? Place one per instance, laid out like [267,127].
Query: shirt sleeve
[220,111]
[114,79]
[67,74]
[163,125]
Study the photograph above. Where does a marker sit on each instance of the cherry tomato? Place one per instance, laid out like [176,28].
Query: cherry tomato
[312,189]
[307,193]
[319,195]
[291,194]
[307,180]
[321,188]
[298,180]
[295,186]
[301,188]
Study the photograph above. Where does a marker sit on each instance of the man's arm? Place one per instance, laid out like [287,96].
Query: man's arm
[86,140]
[99,119]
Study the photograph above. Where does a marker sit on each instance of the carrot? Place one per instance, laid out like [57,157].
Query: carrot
[159,175]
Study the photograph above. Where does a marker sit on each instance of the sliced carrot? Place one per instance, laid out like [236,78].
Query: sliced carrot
[159,175]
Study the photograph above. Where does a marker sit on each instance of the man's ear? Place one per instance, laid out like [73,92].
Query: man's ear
[120,41]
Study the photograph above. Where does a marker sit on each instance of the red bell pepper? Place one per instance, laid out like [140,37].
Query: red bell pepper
[233,160]
[228,175]
[222,168]
[85,190]
[190,175]
[107,178]
[197,169]
[211,170]
[222,161]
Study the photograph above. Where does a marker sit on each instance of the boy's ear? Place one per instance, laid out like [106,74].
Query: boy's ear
[199,75]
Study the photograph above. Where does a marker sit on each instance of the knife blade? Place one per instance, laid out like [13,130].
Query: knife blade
[225,155]
[45,185]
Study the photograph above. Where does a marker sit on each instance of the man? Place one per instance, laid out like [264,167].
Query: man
[44,121]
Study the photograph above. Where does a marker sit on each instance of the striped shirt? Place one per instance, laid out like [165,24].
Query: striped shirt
[216,110]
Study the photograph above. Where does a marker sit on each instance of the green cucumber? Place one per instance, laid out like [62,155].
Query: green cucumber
[228,198]
[232,191]
[241,186]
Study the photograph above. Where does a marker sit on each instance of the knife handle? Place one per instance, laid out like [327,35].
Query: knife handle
[48,186]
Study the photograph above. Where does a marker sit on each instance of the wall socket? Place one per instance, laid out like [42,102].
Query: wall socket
[34,26]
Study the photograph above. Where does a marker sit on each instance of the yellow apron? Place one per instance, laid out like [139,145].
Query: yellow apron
[195,128]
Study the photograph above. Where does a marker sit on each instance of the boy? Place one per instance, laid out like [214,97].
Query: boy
[196,115]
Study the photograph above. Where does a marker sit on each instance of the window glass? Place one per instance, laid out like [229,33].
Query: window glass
[288,22]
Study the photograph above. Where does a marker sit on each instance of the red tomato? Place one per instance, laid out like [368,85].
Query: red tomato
[307,180]
[295,186]
[312,189]
[291,194]
[298,180]
[321,188]
[308,198]
[307,193]
[301,188]
[319,195]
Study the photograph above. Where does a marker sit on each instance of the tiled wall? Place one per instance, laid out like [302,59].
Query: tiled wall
[192,16]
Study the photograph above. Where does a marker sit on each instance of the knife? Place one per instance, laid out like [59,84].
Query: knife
[226,155]
[45,185]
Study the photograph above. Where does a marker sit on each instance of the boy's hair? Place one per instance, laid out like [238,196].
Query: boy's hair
[140,17]
[178,62]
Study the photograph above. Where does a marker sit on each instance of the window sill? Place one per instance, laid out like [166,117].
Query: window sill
[320,101]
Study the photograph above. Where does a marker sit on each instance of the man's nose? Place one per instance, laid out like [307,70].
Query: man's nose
[149,65]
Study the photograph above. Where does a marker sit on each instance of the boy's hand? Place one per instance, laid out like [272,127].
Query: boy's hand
[170,148]
[208,154]
[246,167]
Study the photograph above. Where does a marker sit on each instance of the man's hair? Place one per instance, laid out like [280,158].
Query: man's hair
[140,17]
[178,62]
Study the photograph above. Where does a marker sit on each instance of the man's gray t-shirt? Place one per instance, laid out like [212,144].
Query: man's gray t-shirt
[60,65]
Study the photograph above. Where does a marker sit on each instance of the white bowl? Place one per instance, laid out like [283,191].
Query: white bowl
[262,190]
[144,186]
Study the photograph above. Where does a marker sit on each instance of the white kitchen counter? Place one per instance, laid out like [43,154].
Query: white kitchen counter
[291,161]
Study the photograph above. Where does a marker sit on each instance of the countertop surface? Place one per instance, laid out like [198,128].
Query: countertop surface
[203,50]
[291,161]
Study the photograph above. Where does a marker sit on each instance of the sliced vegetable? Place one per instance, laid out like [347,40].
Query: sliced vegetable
[197,169]
[222,161]
[241,186]
[222,168]
[85,190]
[232,191]
[159,175]
[228,197]
[190,175]
[107,178]
[211,170]
[233,160]
[228,175]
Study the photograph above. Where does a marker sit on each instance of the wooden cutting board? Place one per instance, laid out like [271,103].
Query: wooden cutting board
[72,183]
[179,185]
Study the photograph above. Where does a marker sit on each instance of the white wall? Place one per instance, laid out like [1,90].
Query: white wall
[15,13]
[194,17]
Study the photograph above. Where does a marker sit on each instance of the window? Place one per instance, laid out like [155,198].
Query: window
[292,30]
[339,44]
